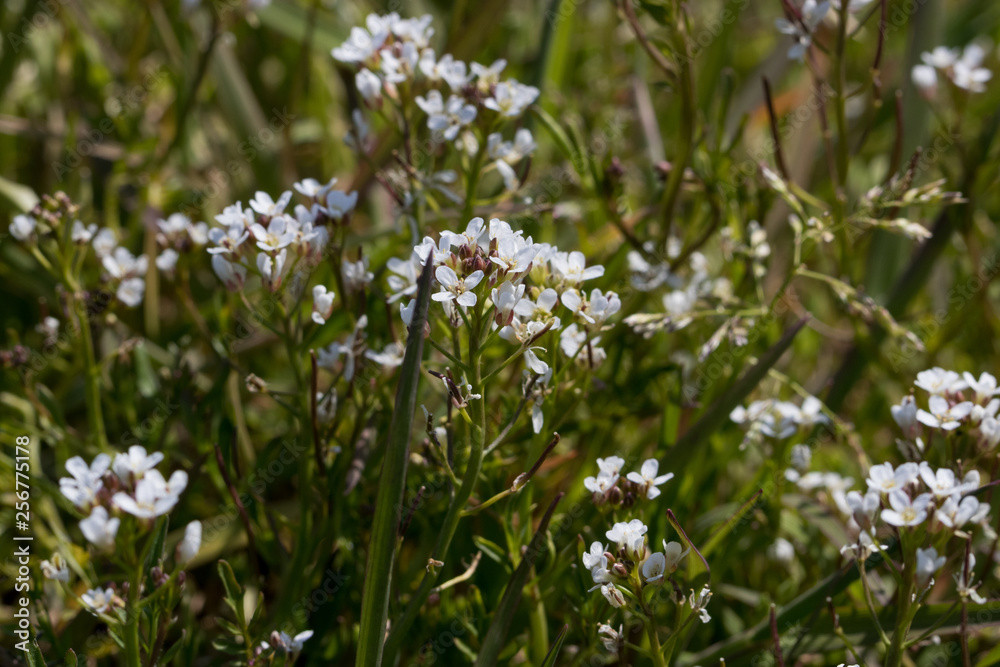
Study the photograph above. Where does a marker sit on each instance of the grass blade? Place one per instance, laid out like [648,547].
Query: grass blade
[717,414]
[550,659]
[504,615]
[381,550]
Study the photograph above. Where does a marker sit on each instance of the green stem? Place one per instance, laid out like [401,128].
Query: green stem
[904,602]
[450,525]
[132,611]
[92,376]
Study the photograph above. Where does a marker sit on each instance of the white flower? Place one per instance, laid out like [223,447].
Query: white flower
[99,529]
[699,602]
[629,536]
[339,204]
[514,254]
[905,415]
[81,489]
[56,568]
[511,98]
[391,355]
[487,77]
[938,381]
[595,557]
[863,508]
[924,77]
[82,233]
[534,363]
[277,235]
[654,567]
[884,479]
[967,72]
[985,387]
[504,299]
[369,85]
[23,227]
[166,261]
[609,637]
[356,274]
[674,554]
[965,590]
[363,44]
[600,484]
[811,412]
[293,644]
[189,546]
[154,496]
[229,239]
[233,276]
[131,291]
[928,562]
[571,267]
[454,289]
[611,465]
[122,264]
[781,551]
[132,466]
[322,304]
[613,595]
[955,513]
[943,483]
[906,512]
[98,600]
[313,189]
[648,479]
[272,269]
[104,242]
[267,207]
[942,415]
[446,119]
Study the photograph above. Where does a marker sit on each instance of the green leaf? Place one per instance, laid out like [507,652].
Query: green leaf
[717,414]
[33,653]
[234,593]
[737,518]
[174,649]
[496,635]
[392,486]
[550,659]
[70,659]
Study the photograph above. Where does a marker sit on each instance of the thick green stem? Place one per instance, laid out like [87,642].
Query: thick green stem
[904,603]
[132,612]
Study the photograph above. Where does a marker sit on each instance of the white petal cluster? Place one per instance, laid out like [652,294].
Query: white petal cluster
[962,67]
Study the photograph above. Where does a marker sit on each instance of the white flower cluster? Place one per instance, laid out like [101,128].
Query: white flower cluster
[643,484]
[395,58]
[630,564]
[962,67]
[267,241]
[688,288]
[106,488]
[778,419]
[494,263]
[124,270]
[954,401]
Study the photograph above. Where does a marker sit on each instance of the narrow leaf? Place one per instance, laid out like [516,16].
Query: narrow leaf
[392,482]
[550,659]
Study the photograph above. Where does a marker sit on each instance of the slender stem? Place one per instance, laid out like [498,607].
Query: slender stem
[92,372]
[132,611]
[458,501]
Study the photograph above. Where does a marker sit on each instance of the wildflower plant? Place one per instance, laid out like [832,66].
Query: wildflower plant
[499,334]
